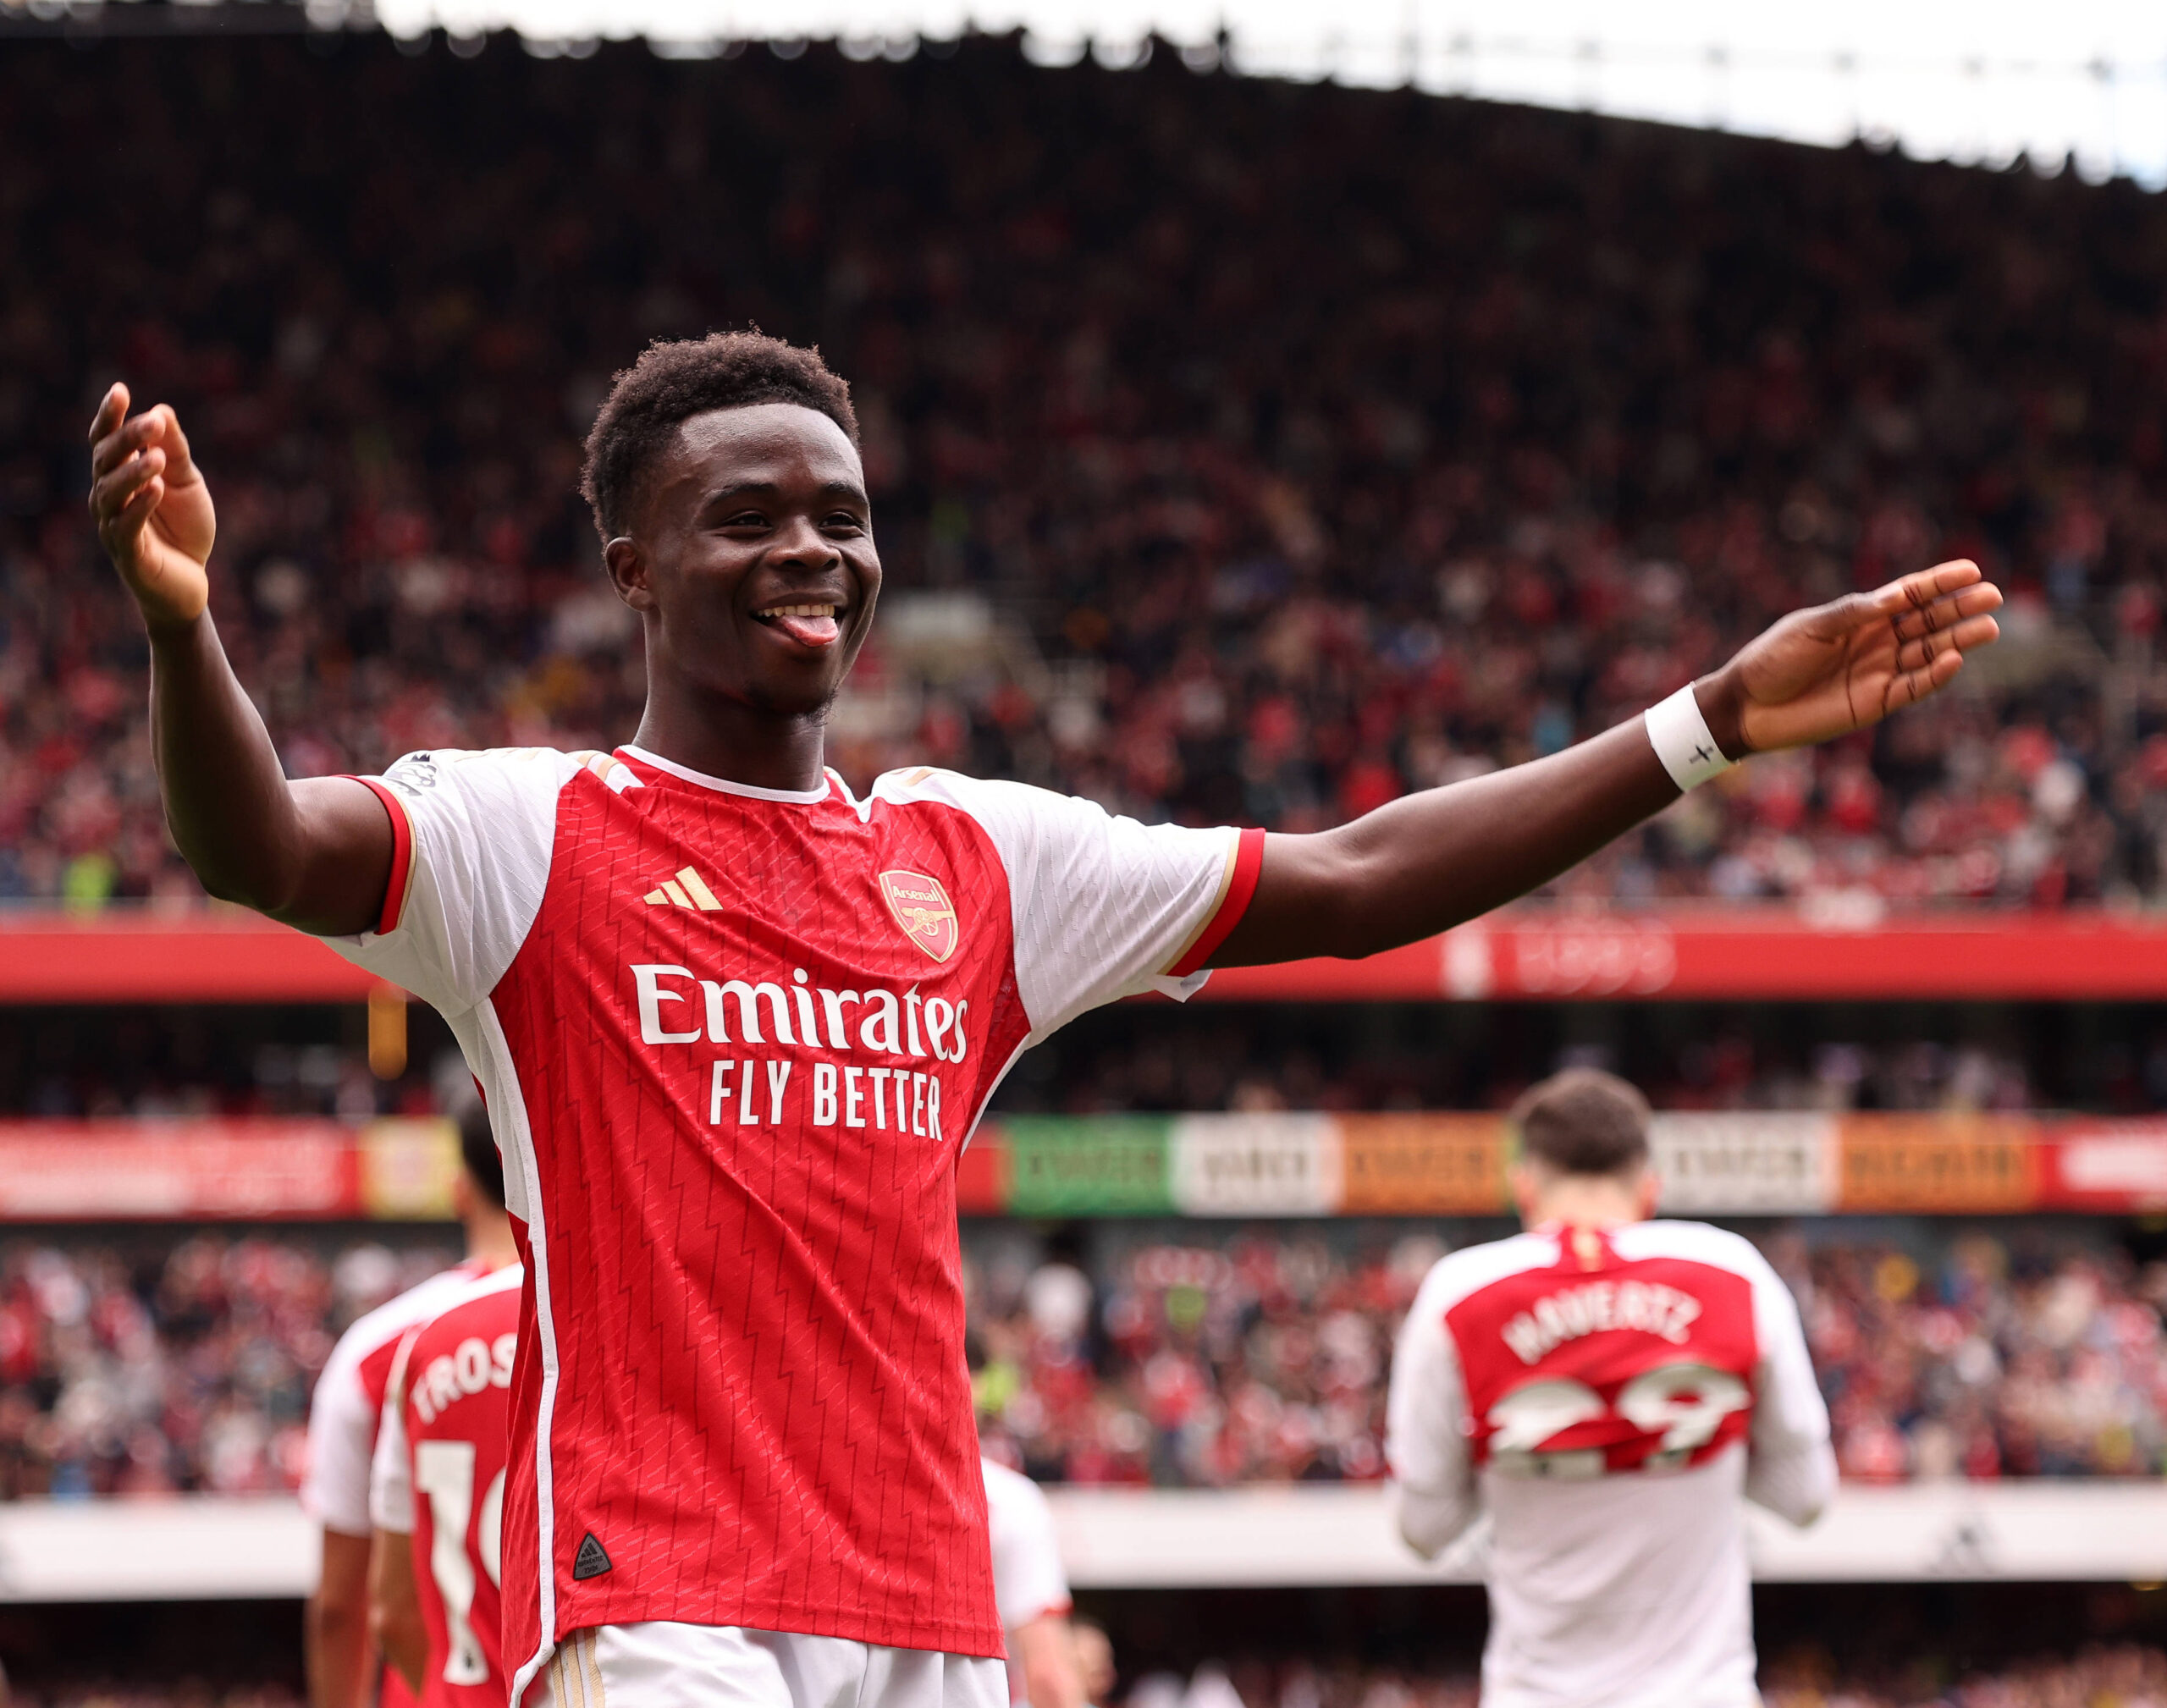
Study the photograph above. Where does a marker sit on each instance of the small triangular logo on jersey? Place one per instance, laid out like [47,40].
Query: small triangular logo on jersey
[687,889]
[590,1561]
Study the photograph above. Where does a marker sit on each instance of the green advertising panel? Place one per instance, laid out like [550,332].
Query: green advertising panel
[1111,1164]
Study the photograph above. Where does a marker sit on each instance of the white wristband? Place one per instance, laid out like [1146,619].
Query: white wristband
[1679,735]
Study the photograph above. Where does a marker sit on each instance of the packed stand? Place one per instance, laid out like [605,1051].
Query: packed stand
[1983,1365]
[141,1692]
[1242,451]
[189,1369]
[1264,1359]
[2117,1675]
[2121,1676]
[1260,1358]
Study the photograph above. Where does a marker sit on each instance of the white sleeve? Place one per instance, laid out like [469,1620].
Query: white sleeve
[1027,1578]
[341,1426]
[1425,1434]
[1102,908]
[473,836]
[1790,1468]
[391,1477]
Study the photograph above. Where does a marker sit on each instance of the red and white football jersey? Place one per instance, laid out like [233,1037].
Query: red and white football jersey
[347,1405]
[733,1040]
[439,1477]
[1609,1396]
[1028,1579]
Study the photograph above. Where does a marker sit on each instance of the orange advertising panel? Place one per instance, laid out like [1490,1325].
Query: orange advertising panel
[407,1168]
[1423,1165]
[1940,1164]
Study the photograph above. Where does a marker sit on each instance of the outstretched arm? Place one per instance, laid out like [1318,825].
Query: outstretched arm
[316,853]
[1426,862]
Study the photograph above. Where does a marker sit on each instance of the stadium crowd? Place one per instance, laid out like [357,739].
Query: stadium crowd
[2116,1676]
[1241,452]
[2111,1675]
[1262,1358]
[186,1369]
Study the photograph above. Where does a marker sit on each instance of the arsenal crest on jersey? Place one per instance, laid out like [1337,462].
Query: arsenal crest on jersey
[922,908]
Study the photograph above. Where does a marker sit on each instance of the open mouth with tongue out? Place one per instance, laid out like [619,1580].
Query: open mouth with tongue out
[809,623]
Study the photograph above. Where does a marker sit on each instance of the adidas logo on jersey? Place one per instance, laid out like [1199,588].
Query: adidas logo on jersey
[687,889]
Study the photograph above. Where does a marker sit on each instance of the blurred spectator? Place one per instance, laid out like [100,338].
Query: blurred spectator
[1242,451]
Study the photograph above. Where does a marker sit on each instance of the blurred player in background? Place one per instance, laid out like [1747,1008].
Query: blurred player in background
[1608,1388]
[1031,1589]
[343,1419]
[735,1024]
[1094,1661]
[437,1494]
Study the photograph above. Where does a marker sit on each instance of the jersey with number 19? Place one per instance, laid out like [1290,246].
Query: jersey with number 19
[1609,1395]
[733,1041]
[438,1477]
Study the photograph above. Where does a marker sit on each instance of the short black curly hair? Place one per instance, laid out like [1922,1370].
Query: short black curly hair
[675,379]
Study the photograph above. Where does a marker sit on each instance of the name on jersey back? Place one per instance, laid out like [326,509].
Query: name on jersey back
[1596,1307]
[469,1367]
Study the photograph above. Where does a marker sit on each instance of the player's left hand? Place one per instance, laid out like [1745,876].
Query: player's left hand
[1846,665]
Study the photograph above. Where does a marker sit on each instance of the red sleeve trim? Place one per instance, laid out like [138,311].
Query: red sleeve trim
[1241,885]
[402,855]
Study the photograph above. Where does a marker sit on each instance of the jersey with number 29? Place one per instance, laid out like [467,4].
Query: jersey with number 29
[439,1477]
[733,1041]
[1609,1395]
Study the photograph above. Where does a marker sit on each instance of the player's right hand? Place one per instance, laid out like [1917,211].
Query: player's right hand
[153,509]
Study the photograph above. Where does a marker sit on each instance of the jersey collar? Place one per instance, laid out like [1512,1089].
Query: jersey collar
[723,785]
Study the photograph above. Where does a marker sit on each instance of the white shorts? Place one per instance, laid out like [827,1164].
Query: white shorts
[662,1664]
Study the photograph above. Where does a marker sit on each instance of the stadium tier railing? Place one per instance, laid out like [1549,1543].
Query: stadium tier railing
[1439,1163]
[1850,948]
[208,1547]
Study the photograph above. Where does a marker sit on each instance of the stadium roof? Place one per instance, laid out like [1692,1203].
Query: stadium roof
[2082,81]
